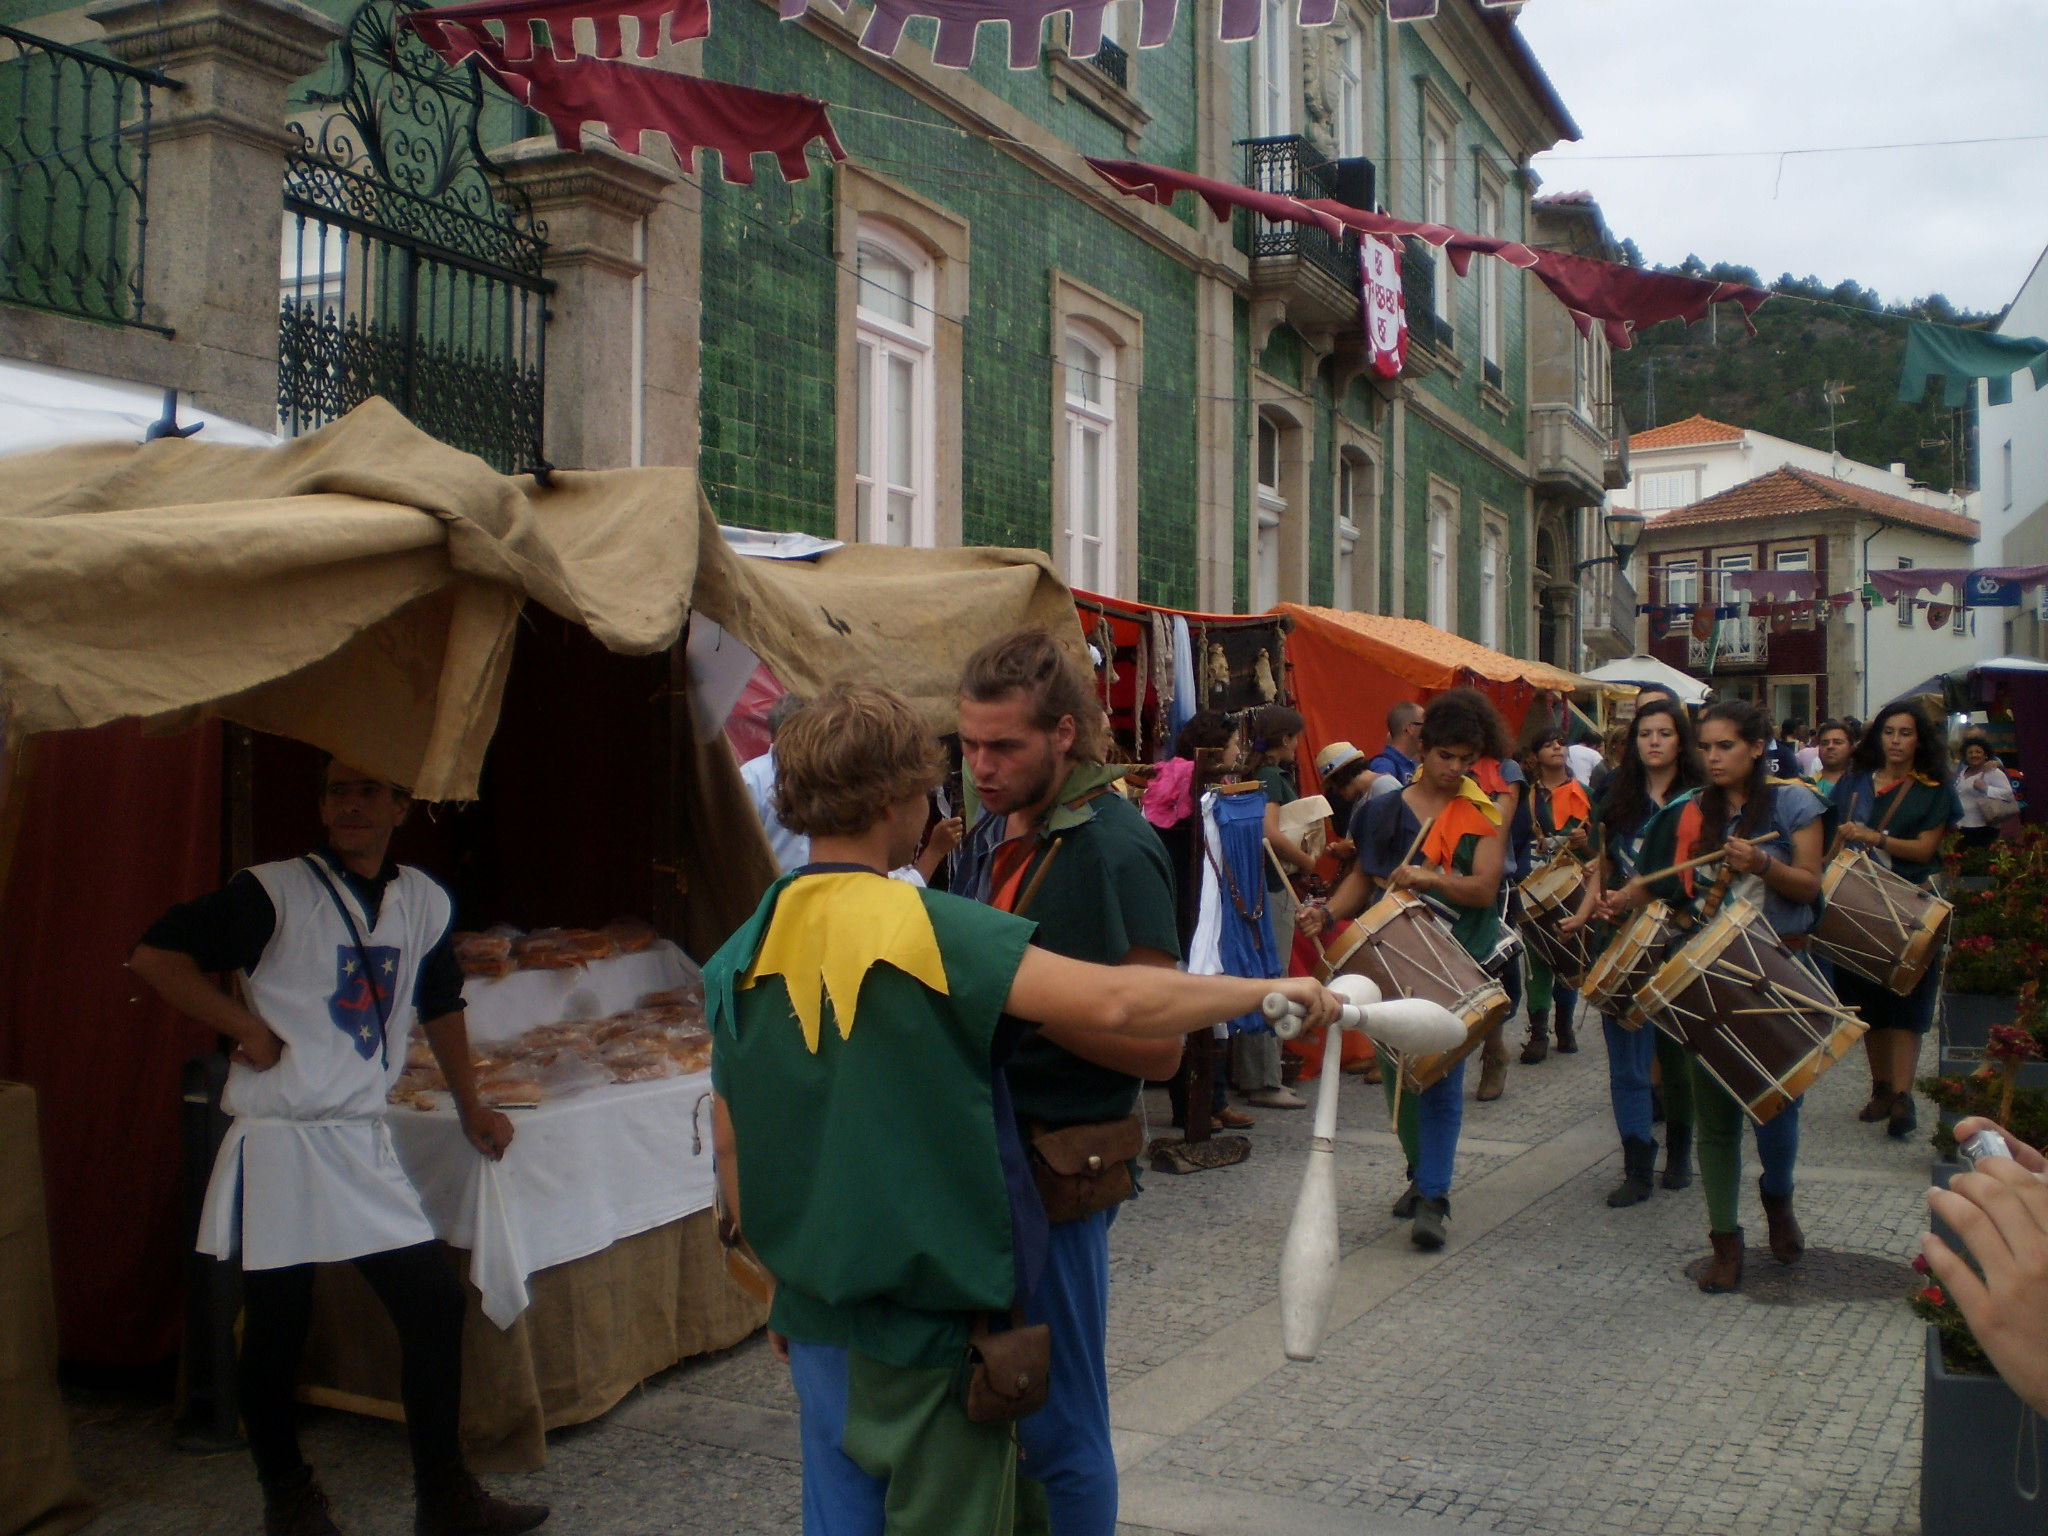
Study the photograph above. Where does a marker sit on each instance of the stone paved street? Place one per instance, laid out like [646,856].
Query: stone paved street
[1553,1370]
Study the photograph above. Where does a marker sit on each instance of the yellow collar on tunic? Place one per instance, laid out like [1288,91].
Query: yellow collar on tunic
[828,930]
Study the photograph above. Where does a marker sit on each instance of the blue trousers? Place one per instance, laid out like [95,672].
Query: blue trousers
[1066,1443]
[1629,1054]
[839,1498]
[1428,1125]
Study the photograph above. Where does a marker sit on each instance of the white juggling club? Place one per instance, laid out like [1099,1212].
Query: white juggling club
[1308,1258]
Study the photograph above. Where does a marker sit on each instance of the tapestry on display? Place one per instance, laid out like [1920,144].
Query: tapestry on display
[1383,306]
[457,31]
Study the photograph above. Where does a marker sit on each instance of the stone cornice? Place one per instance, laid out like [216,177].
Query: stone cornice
[280,38]
[600,176]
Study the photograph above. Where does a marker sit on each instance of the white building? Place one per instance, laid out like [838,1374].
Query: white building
[1690,460]
[2012,469]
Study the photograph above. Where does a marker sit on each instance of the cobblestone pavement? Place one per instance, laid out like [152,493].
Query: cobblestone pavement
[1553,1370]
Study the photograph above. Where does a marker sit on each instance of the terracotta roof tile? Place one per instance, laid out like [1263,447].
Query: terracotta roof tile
[1684,434]
[1789,492]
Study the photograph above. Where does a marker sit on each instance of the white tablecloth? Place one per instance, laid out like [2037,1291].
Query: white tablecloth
[581,1173]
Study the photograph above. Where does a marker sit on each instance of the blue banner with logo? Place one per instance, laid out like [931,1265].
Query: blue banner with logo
[1983,590]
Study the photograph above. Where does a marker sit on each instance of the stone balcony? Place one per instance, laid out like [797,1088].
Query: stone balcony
[1568,455]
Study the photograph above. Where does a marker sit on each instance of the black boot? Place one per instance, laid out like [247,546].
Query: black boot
[1787,1241]
[1902,1121]
[1405,1206]
[1537,1047]
[1430,1219]
[1677,1154]
[297,1506]
[1638,1165]
[452,1503]
[1567,1041]
[1880,1105]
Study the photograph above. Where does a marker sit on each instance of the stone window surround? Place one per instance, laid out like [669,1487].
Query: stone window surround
[1294,414]
[1366,449]
[860,194]
[1493,524]
[1443,496]
[1124,328]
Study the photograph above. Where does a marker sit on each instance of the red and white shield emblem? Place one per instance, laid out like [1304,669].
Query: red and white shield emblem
[1382,305]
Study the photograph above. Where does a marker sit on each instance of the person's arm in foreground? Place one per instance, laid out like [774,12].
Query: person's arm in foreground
[175,977]
[2000,1211]
[1146,1002]
[489,1130]
[1151,1059]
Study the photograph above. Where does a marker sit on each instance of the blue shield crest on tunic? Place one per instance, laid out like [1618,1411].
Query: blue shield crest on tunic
[361,1003]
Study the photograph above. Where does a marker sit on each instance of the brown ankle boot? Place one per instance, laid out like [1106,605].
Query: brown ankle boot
[1493,1064]
[1880,1105]
[452,1503]
[1787,1241]
[1724,1269]
[297,1507]
[1538,1045]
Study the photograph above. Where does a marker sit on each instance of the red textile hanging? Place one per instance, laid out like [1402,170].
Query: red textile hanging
[457,31]
[117,827]
[631,99]
[958,20]
[1619,299]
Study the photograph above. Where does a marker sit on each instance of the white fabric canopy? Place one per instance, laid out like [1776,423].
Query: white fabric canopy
[1648,669]
[50,407]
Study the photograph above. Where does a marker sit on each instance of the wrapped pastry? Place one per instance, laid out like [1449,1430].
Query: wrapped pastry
[510,1088]
[639,1067]
[549,949]
[629,936]
[591,943]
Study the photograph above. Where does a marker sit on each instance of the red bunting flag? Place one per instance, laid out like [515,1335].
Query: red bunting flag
[457,31]
[632,99]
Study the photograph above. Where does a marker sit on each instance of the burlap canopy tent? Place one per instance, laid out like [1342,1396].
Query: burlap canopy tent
[359,589]
[1351,668]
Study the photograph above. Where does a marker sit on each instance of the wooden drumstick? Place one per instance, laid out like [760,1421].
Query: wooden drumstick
[1705,858]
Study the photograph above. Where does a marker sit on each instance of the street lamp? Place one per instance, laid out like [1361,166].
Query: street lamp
[1624,532]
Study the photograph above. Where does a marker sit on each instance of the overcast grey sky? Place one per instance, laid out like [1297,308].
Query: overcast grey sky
[1674,77]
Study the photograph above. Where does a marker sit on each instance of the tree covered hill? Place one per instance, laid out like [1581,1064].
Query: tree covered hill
[1777,380]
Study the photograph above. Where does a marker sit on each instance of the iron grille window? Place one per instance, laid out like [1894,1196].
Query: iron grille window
[74,178]
[1290,165]
[411,269]
[1111,61]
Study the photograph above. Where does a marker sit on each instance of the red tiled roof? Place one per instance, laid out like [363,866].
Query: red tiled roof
[1790,492]
[1684,434]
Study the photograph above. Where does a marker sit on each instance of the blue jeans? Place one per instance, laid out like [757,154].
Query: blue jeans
[1629,1054]
[839,1498]
[1066,1443]
[1428,1125]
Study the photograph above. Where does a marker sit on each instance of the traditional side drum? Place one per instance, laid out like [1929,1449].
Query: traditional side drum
[1549,896]
[1408,951]
[1615,981]
[1878,924]
[1757,1017]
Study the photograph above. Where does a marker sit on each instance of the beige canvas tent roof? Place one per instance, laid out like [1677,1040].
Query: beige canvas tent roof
[358,589]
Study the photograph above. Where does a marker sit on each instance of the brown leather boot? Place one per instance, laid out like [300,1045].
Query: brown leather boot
[1724,1269]
[1537,1047]
[1787,1241]
[1493,1063]
[297,1507]
[1880,1105]
[452,1503]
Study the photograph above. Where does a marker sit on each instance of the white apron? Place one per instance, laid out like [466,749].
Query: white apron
[307,1173]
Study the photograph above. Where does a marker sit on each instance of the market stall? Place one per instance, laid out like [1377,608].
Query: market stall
[1154,667]
[364,590]
[1351,668]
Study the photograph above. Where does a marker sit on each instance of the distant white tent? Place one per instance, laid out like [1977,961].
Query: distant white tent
[42,408]
[1649,670]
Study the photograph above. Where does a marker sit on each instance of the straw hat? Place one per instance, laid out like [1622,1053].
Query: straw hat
[1336,755]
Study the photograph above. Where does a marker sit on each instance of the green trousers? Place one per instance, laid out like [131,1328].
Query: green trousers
[947,1476]
[1674,1069]
[1719,1120]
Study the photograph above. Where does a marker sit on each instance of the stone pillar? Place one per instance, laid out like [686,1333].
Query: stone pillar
[216,177]
[598,338]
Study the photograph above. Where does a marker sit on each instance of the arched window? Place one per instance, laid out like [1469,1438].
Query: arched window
[1274,86]
[1357,492]
[1093,517]
[1269,510]
[1442,593]
[895,434]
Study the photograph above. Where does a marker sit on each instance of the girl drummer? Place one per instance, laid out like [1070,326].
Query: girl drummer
[1771,834]
[1662,765]
[1457,866]
[1896,803]
[1559,812]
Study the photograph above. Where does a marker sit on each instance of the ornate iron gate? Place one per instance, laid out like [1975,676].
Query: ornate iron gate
[412,269]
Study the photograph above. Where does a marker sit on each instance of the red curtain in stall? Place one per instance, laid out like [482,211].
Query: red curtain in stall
[116,827]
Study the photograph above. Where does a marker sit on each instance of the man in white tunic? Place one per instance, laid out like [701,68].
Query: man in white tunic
[334,956]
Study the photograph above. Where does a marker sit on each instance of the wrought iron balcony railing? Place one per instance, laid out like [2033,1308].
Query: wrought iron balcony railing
[1418,284]
[1112,62]
[74,178]
[1290,165]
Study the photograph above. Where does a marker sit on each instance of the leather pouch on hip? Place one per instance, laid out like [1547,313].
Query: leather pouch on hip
[1009,1373]
[1083,1169]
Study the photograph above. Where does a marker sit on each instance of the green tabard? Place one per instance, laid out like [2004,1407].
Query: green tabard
[870,1181]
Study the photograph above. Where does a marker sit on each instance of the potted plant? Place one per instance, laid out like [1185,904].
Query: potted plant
[1999,941]
[1979,1470]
